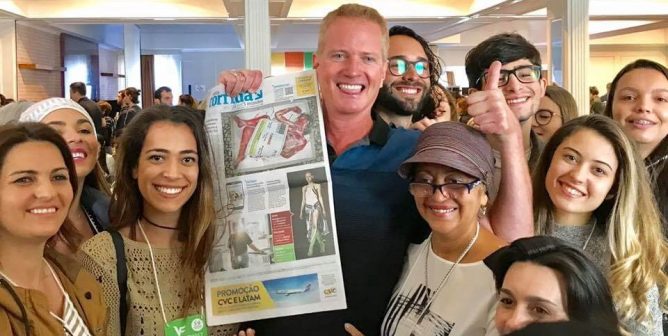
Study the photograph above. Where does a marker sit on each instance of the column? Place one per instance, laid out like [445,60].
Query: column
[569,47]
[257,36]
[131,41]
[8,66]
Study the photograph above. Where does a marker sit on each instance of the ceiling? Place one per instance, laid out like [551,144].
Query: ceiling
[439,21]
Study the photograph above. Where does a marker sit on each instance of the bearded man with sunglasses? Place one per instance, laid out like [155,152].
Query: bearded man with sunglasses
[413,69]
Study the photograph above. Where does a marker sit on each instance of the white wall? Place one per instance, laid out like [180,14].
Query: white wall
[108,62]
[611,54]
[108,34]
[200,69]
[606,60]
[533,30]
[8,79]
[185,40]
[132,56]
[453,55]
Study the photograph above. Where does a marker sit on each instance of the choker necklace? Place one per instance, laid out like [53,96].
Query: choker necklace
[158,225]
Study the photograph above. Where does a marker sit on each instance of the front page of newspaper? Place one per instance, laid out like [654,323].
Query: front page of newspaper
[276,253]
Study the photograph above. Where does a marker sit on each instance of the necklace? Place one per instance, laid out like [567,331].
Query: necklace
[158,225]
[447,275]
[659,160]
[155,272]
[593,228]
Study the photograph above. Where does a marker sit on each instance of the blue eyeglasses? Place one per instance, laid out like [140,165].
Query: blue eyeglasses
[399,66]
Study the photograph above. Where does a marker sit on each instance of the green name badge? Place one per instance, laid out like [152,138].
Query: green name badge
[192,325]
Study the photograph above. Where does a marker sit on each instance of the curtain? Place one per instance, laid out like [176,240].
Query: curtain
[147,79]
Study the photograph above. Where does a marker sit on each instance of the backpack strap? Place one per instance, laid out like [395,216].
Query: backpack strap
[121,277]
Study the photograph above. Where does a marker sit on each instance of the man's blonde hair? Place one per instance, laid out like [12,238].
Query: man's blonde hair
[358,12]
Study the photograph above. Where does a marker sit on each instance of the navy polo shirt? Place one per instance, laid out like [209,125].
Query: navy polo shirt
[376,220]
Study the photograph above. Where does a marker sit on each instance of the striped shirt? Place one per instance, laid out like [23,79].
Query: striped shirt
[73,325]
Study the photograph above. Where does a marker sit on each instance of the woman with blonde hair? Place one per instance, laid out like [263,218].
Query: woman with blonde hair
[89,212]
[591,189]
[152,269]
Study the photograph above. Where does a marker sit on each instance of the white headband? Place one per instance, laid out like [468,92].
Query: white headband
[41,109]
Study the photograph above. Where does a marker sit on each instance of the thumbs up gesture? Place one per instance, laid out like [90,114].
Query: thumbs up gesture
[491,114]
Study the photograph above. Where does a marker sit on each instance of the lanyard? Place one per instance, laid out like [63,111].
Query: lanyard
[155,273]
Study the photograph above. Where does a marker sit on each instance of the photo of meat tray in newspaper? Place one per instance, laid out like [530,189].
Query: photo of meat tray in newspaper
[276,252]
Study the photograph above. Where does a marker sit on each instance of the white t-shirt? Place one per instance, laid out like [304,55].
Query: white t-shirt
[465,305]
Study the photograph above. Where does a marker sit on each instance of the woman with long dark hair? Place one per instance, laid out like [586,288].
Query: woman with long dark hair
[163,209]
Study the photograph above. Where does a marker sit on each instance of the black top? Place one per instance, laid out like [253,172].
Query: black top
[536,149]
[125,117]
[657,166]
[93,110]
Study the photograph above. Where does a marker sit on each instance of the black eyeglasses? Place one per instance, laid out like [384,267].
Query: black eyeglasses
[424,189]
[543,117]
[525,74]
[399,66]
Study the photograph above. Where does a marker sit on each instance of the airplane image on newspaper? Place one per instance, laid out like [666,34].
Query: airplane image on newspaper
[288,292]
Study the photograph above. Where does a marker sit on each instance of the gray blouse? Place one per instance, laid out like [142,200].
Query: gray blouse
[598,251]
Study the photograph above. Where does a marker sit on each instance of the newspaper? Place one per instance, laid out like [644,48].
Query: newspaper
[276,253]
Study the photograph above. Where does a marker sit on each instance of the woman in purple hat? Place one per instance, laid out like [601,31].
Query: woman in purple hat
[446,289]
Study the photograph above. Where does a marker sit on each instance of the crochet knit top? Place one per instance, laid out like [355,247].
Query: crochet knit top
[98,256]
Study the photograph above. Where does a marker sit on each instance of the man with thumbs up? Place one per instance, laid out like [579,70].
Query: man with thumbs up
[519,81]
[506,87]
